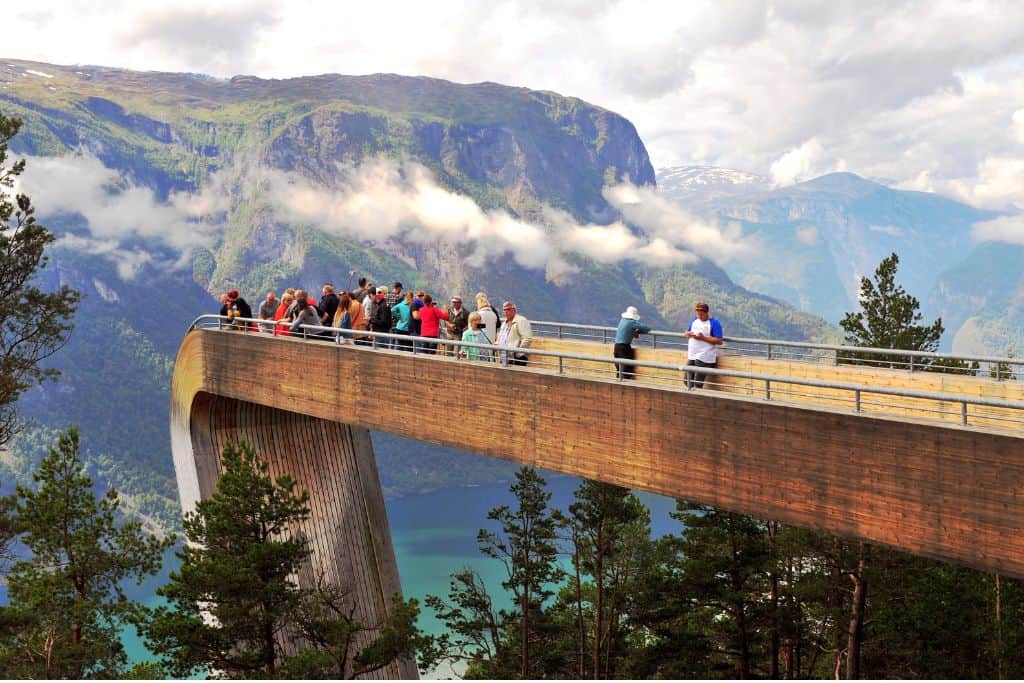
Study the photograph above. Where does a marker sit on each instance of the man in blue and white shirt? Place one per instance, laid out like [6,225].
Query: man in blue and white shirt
[705,335]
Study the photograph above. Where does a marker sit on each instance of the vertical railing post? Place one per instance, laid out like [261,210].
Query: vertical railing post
[911,363]
[604,336]
[856,400]
[767,390]
[561,365]
[559,331]
[769,352]
[654,341]
[963,413]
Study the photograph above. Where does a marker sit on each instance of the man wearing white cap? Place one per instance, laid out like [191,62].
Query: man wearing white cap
[629,327]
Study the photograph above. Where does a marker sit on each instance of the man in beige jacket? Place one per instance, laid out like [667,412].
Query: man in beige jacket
[515,334]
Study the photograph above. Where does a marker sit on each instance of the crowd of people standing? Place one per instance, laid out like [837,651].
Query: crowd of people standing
[405,313]
[395,311]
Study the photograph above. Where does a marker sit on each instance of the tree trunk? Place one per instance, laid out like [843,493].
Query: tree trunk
[598,599]
[999,630]
[524,634]
[855,633]
[582,647]
[788,657]
[773,577]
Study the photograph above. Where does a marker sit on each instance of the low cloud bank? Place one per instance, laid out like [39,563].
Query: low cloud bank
[387,200]
[126,223]
[1009,229]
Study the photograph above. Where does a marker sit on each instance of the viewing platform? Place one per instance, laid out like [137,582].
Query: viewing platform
[925,462]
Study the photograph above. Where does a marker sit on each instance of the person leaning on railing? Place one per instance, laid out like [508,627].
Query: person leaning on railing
[629,328]
[305,314]
[234,306]
[267,310]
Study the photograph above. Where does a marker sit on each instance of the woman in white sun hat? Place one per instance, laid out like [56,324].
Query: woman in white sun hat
[629,328]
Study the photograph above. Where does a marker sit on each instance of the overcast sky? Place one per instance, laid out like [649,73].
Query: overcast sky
[929,95]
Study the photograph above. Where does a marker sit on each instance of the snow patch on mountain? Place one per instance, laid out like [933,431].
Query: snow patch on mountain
[696,184]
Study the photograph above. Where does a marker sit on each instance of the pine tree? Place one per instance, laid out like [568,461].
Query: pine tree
[889,318]
[234,601]
[724,560]
[527,548]
[237,568]
[33,324]
[67,601]
[475,630]
[609,528]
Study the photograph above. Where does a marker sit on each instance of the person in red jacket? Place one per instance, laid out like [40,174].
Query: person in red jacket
[430,326]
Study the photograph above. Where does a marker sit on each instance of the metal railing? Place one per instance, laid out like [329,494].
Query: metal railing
[860,398]
[999,367]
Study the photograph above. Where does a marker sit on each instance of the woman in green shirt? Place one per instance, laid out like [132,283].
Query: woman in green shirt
[476,334]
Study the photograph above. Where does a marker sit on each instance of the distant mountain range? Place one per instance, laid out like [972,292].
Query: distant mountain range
[818,237]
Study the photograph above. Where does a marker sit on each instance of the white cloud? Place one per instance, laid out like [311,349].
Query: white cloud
[890,230]
[1018,125]
[126,223]
[129,262]
[385,200]
[1009,229]
[998,183]
[674,225]
[797,162]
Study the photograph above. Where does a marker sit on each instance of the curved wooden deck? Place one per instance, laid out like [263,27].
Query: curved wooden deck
[934,489]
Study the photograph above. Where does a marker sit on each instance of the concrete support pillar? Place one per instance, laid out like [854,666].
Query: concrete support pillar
[348,527]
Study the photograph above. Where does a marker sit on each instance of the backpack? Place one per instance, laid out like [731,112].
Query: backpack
[380,321]
[497,326]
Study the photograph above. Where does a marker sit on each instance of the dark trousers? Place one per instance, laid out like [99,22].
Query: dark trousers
[402,344]
[427,347]
[695,380]
[517,359]
[623,371]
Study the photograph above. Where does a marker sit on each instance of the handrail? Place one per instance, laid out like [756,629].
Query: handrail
[924,355]
[342,336]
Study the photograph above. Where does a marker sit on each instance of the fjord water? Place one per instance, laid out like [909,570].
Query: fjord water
[434,534]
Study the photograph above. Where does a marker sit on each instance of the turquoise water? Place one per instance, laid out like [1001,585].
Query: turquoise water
[434,534]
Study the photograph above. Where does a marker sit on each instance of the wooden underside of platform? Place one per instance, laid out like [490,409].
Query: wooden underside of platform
[931,489]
